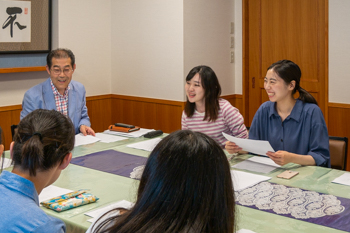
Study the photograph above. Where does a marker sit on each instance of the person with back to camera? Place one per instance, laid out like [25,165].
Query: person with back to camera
[186,186]
[295,128]
[205,111]
[60,92]
[40,151]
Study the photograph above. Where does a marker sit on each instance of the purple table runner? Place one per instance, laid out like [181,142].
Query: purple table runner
[111,161]
[309,206]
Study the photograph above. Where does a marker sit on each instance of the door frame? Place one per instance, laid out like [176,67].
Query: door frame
[245,60]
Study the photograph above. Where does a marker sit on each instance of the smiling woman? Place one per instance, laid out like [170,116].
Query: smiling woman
[295,128]
[205,111]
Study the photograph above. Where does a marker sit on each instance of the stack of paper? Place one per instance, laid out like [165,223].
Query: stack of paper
[80,139]
[242,180]
[51,192]
[343,179]
[95,214]
[107,138]
[7,162]
[134,134]
[146,145]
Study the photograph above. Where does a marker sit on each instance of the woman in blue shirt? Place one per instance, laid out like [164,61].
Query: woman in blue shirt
[40,151]
[295,128]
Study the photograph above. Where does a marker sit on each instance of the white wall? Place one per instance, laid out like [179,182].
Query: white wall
[147,48]
[207,39]
[339,51]
[85,28]
[238,74]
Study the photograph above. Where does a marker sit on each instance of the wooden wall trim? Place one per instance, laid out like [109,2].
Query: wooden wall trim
[99,97]
[22,69]
[338,105]
[10,108]
[149,100]
[233,96]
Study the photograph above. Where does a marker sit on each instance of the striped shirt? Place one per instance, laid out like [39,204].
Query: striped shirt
[229,121]
[60,100]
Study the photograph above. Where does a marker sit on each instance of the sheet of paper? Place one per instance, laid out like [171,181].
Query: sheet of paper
[134,134]
[254,166]
[242,180]
[146,145]
[343,179]
[245,231]
[80,139]
[7,162]
[264,160]
[254,146]
[100,211]
[51,192]
[107,138]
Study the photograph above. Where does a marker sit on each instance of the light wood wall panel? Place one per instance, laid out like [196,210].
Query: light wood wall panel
[339,124]
[9,115]
[99,110]
[147,112]
[236,101]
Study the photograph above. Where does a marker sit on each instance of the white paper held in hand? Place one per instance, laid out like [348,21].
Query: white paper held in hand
[259,147]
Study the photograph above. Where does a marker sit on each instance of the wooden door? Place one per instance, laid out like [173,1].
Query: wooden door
[296,30]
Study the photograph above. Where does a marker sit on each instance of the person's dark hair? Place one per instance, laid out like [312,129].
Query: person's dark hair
[43,139]
[212,89]
[60,53]
[289,71]
[186,186]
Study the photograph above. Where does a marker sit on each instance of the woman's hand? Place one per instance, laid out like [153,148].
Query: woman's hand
[280,157]
[232,148]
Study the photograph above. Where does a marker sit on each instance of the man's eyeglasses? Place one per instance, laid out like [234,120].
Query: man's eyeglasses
[65,71]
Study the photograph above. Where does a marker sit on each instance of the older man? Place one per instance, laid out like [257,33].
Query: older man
[59,92]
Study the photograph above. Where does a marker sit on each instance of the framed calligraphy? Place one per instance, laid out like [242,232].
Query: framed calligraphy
[25,26]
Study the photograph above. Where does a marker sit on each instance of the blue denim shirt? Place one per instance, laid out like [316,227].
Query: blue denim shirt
[19,207]
[303,132]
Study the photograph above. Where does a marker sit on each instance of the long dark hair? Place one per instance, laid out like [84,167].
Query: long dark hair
[211,86]
[186,187]
[43,139]
[289,71]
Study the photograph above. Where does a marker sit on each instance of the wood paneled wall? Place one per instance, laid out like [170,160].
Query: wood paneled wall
[9,115]
[159,114]
[339,124]
[147,112]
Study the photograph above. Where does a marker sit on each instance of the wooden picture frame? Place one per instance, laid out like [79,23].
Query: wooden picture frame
[40,33]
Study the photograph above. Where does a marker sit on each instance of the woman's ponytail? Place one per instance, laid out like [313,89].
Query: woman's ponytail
[306,96]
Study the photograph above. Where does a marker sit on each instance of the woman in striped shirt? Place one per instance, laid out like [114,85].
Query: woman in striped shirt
[207,113]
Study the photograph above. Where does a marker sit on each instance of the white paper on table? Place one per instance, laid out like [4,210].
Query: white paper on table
[107,138]
[245,231]
[51,192]
[253,166]
[134,134]
[259,147]
[242,180]
[80,139]
[343,179]
[7,162]
[264,160]
[146,145]
[95,214]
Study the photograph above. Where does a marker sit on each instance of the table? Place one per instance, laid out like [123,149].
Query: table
[112,188]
